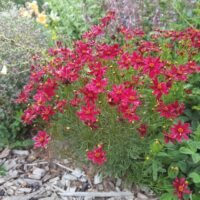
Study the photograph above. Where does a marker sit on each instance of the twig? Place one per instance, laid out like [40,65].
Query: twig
[64,167]
[38,163]
[180,14]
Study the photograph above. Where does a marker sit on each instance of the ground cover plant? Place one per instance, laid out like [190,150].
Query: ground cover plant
[117,100]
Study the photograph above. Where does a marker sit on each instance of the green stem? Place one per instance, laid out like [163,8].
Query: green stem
[181,16]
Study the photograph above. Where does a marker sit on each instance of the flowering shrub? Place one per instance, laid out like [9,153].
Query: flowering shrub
[125,93]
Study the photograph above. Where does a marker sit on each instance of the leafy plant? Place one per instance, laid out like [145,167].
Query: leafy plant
[2,170]
[121,93]
[75,17]
[180,161]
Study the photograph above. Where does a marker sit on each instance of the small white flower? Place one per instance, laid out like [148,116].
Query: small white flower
[54,17]
[4,70]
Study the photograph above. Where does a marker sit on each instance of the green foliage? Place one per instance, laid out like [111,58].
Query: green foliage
[73,136]
[2,170]
[181,160]
[192,100]
[187,15]
[75,17]
[20,39]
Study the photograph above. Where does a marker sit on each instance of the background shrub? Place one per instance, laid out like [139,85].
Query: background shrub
[20,39]
[150,14]
[75,16]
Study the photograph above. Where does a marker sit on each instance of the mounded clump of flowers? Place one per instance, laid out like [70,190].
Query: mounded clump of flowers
[133,77]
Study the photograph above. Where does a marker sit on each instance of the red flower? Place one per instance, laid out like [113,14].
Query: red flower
[181,187]
[126,32]
[29,115]
[36,76]
[159,88]
[60,105]
[148,46]
[142,130]
[137,60]
[129,113]
[89,95]
[41,139]
[97,155]
[152,66]
[109,16]
[129,96]
[168,138]
[46,112]
[125,61]
[76,100]
[88,114]
[97,69]
[22,98]
[83,50]
[108,52]
[69,73]
[172,110]
[180,131]
[97,85]
[114,96]
[177,73]
[192,67]
[40,97]
[94,31]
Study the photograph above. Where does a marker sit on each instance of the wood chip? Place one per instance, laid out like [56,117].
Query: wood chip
[97,194]
[5,153]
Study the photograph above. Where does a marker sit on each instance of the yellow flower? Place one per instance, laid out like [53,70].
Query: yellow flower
[34,7]
[42,18]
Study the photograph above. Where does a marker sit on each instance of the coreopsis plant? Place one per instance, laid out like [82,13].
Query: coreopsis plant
[122,91]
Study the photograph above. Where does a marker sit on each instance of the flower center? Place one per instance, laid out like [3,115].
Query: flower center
[151,65]
[127,61]
[180,188]
[165,108]
[138,60]
[98,84]
[87,112]
[97,155]
[159,86]
[179,72]
[41,139]
[118,92]
[132,98]
[180,130]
